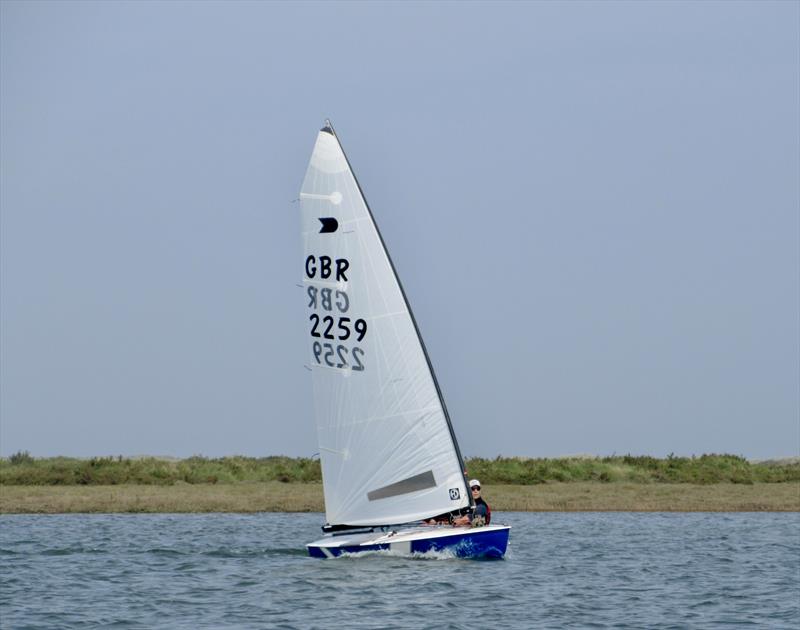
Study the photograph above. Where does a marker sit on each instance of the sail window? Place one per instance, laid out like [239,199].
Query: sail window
[423,481]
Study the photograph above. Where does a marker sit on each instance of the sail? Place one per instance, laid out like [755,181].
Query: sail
[386,445]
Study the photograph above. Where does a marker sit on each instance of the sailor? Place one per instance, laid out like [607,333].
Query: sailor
[482,514]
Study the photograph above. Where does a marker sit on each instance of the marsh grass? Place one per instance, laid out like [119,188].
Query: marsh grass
[64,471]
[705,469]
[274,496]
[582,496]
[22,469]
[283,484]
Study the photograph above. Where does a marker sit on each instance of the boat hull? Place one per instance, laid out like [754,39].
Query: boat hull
[490,541]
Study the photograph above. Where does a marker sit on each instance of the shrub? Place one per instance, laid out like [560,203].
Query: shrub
[21,457]
[22,469]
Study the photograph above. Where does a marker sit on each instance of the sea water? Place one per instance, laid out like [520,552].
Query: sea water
[562,570]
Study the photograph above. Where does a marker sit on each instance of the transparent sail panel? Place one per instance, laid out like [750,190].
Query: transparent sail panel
[387,452]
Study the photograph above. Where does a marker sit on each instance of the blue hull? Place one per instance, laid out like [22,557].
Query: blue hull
[476,543]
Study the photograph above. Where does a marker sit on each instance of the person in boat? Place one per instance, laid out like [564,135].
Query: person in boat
[481,515]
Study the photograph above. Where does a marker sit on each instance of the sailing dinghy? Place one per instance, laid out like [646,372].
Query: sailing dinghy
[389,455]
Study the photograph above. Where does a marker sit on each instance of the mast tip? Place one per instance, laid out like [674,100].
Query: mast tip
[328,128]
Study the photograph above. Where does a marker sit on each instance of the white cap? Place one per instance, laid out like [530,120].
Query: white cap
[474,482]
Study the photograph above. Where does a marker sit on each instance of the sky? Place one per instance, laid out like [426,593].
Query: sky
[594,209]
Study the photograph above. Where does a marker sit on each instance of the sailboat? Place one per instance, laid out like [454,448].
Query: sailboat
[389,456]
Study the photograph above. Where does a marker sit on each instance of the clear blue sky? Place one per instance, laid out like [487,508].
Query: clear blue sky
[594,209]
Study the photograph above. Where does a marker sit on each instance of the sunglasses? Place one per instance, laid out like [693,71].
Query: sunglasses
[476,488]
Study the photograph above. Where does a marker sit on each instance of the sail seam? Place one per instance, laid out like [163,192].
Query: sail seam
[393,415]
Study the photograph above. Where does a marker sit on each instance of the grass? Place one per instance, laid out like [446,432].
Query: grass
[274,496]
[22,469]
[585,496]
[66,471]
[283,484]
[705,469]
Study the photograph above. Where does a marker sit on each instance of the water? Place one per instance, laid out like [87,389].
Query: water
[251,571]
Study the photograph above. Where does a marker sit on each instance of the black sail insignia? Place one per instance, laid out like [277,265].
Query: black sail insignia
[329,225]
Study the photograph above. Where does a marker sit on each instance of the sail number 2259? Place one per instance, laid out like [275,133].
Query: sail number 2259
[338,355]
[342,330]
[334,330]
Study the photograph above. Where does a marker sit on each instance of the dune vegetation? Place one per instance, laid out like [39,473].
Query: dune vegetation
[284,484]
[23,469]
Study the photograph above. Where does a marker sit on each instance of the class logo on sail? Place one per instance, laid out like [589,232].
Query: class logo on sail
[329,225]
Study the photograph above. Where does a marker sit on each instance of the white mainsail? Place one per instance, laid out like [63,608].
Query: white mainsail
[386,445]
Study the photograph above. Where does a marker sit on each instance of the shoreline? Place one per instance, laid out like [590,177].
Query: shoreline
[275,496]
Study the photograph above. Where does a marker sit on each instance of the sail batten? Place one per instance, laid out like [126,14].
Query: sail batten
[390,454]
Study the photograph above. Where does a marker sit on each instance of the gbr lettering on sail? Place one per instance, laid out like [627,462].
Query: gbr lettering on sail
[336,334]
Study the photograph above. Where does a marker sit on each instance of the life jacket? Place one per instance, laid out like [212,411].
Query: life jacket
[488,510]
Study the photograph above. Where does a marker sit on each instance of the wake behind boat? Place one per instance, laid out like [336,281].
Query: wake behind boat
[388,451]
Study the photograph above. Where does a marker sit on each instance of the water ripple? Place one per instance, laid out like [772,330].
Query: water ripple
[562,571]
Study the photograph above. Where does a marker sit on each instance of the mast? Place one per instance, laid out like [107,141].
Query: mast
[328,128]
